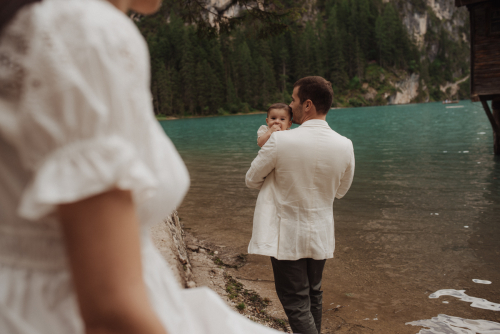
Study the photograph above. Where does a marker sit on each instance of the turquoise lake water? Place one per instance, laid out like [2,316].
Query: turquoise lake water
[422,157]
[424,204]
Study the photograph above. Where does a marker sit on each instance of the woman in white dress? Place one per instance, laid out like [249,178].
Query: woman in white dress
[85,169]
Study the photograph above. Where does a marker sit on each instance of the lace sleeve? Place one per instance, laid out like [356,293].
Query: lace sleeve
[78,104]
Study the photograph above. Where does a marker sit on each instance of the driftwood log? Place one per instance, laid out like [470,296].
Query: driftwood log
[168,237]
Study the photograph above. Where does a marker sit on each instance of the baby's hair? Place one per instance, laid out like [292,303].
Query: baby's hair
[280,106]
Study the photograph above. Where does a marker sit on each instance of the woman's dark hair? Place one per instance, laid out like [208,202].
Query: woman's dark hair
[9,9]
[318,90]
[280,106]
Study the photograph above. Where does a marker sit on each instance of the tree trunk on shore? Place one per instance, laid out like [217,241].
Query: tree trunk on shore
[168,237]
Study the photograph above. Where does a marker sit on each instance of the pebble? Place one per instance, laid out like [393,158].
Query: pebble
[193,248]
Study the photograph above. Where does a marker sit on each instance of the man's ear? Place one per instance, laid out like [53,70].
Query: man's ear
[308,105]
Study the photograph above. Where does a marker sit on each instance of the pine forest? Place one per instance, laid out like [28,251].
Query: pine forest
[362,47]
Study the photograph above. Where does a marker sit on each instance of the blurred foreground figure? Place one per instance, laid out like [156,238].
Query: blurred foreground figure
[85,170]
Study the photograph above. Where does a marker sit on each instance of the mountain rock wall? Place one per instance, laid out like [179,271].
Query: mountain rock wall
[423,16]
[407,90]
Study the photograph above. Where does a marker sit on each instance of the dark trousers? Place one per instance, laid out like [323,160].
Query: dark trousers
[298,285]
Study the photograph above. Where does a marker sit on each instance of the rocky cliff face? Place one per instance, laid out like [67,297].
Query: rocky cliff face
[427,21]
[407,90]
[422,16]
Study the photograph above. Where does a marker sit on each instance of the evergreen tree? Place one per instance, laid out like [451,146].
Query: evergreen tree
[336,64]
[188,72]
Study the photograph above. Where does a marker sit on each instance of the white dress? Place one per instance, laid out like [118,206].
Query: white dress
[76,120]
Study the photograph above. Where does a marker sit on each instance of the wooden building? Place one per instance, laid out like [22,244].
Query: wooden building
[485,58]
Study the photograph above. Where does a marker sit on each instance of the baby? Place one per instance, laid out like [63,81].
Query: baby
[279,118]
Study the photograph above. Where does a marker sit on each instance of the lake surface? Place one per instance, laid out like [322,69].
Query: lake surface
[423,212]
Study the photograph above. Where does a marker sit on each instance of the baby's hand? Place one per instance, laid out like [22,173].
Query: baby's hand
[275,127]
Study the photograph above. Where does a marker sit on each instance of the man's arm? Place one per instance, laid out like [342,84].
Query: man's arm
[346,181]
[262,165]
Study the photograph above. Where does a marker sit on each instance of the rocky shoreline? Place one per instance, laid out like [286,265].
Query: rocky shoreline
[199,263]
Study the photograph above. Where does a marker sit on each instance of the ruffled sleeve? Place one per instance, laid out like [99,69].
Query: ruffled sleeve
[82,169]
[263,129]
[84,122]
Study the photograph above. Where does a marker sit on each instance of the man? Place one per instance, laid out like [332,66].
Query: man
[299,174]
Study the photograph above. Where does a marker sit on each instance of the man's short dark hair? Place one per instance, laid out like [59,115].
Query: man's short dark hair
[318,90]
[280,106]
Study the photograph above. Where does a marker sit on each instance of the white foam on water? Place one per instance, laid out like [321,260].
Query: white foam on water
[466,226]
[445,324]
[481,133]
[460,294]
[466,151]
[445,302]
[481,281]
[454,107]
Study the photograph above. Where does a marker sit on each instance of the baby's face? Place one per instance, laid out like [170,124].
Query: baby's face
[280,117]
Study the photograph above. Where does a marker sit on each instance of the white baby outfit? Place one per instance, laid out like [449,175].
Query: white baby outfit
[76,120]
[262,130]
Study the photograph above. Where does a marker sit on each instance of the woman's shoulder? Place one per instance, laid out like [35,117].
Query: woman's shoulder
[78,23]
[55,41]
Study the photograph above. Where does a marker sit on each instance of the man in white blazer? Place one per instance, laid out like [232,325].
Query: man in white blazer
[299,173]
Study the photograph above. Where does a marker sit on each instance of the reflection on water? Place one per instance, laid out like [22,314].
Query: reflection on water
[460,294]
[445,324]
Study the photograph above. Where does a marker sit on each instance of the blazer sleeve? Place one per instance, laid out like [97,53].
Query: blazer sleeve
[263,164]
[346,181]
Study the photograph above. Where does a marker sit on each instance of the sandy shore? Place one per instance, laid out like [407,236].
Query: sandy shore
[217,267]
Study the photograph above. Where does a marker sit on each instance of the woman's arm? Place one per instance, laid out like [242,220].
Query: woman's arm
[101,234]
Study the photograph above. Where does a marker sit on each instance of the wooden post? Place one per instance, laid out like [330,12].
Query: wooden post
[494,119]
[496,116]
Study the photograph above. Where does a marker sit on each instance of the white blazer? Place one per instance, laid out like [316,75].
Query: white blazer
[299,174]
